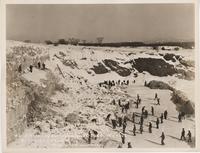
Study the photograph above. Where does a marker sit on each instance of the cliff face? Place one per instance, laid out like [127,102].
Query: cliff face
[183,104]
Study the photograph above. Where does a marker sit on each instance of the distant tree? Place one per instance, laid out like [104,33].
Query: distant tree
[73,41]
[83,41]
[62,41]
[100,40]
[48,42]
[27,41]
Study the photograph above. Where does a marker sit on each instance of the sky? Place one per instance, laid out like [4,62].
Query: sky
[114,22]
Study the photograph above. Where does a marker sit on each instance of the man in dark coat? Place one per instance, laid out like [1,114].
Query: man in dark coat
[165,114]
[157,123]
[183,134]
[31,68]
[133,117]
[20,68]
[161,118]
[124,127]
[189,136]
[134,130]
[162,138]
[152,111]
[150,127]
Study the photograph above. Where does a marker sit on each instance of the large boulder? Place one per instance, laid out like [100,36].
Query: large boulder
[114,66]
[157,67]
[159,85]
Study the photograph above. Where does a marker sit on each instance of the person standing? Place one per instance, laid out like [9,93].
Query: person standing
[162,138]
[152,111]
[150,127]
[165,114]
[183,134]
[120,121]
[31,68]
[20,68]
[124,127]
[133,117]
[143,109]
[189,136]
[89,137]
[134,130]
[157,123]
[114,124]
[156,96]
[161,118]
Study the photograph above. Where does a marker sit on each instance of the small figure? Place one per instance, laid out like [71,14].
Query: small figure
[31,68]
[162,138]
[183,134]
[20,68]
[114,124]
[127,82]
[161,118]
[129,145]
[157,123]
[152,111]
[123,138]
[141,120]
[39,65]
[133,117]
[189,136]
[120,121]
[134,129]
[143,109]
[89,137]
[150,127]
[108,117]
[124,127]
[156,96]
[165,114]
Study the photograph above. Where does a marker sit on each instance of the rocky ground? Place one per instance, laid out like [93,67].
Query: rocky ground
[64,101]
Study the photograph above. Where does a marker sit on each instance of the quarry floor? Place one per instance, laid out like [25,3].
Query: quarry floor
[171,127]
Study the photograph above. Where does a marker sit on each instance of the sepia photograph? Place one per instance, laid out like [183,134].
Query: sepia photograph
[100,76]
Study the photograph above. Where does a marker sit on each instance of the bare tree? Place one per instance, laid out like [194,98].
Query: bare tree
[100,40]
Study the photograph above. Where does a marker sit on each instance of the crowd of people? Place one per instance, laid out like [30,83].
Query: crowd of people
[39,66]
[118,120]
